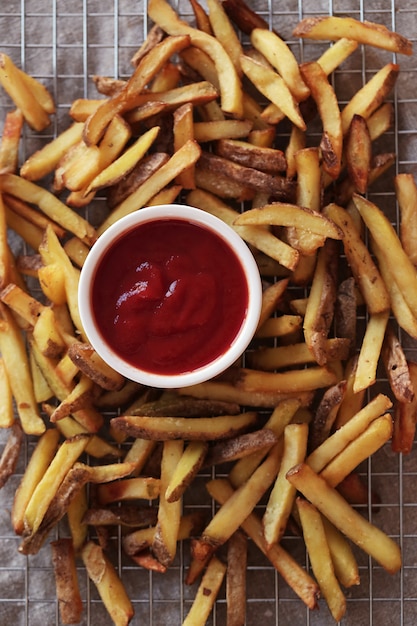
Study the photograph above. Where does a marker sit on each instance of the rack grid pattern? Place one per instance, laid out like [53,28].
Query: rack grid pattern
[64,43]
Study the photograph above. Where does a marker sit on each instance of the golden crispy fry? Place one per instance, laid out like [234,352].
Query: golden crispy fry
[181,160]
[224,32]
[186,469]
[323,94]
[273,87]
[334,444]
[165,540]
[331,504]
[10,141]
[358,153]
[334,55]
[363,267]
[240,446]
[367,100]
[296,577]
[236,579]
[14,83]
[320,557]
[369,441]
[289,355]
[283,214]
[334,28]
[108,583]
[221,129]
[206,593]
[4,248]
[282,496]
[66,581]
[344,562]
[16,364]
[406,191]
[370,351]
[6,405]
[183,129]
[230,87]
[200,429]
[259,157]
[88,361]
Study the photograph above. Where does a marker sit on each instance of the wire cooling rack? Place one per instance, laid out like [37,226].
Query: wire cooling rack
[63,43]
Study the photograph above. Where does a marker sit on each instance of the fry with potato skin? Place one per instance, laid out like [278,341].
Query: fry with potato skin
[331,504]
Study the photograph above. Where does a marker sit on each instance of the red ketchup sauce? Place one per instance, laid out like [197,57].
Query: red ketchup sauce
[169,296]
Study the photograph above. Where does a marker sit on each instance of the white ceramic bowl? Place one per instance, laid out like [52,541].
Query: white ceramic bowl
[198,217]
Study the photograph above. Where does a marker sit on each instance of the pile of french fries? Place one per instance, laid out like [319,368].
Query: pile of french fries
[290,423]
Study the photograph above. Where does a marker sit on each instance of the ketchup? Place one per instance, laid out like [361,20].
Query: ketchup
[169,296]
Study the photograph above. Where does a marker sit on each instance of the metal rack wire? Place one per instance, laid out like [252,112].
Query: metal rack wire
[65,42]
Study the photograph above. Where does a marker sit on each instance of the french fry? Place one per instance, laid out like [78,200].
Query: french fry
[369,441]
[405,419]
[40,460]
[332,505]
[396,366]
[10,454]
[6,405]
[164,544]
[282,496]
[66,580]
[206,593]
[323,94]
[344,562]
[14,83]
[186,469]
[4,249]
[142,488]
[224,32]
[296,354]
[320,557]
[406,192]
[200,429]
[260,157]
[49,204]
[183,129]
[237,508]
[108,583]
[181,160]
[370,351]
[236,579]
[320,304]
[325,414]
[230,87]
[244,16]
[240,446]
[370,33]
[368,99]
[358,153]
[88,361]
[334,444]
[273,87]
[351,402]
[360,261]
[10,141]
[296,577]
[16,364]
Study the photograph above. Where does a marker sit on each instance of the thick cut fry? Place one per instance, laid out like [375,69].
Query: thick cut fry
[367,100]
[241,504]
[44,161]
[334,55]
[6,404]
[221,129]
[282,496]
[334,28]
[224,32]
[40,460]
[200,429]
[10,141]
[320,558]
[325,414]
[236,579]
[363,267]
[406,192]
[206,593]
[249,154]
[273,87]
[165,540]
[396,367]
[4,248]
[358,153]
[283,214]
[10,454]
[405,419]
[286,382]
[334,444]
[344,562]
[374,437]
[370,351]
[108,583]
[46,488]
[88,361]
[240,446]
[183,129]
[325,98]
[186,469]
[186,156]
[230,87]
[332,505]
[279,55]
[66,581]
[13,82]
[295,576]
[320,304]
[142,488]
[49,204]
[296,354]
[16,363]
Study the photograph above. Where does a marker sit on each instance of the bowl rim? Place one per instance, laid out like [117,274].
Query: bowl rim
[235,242]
